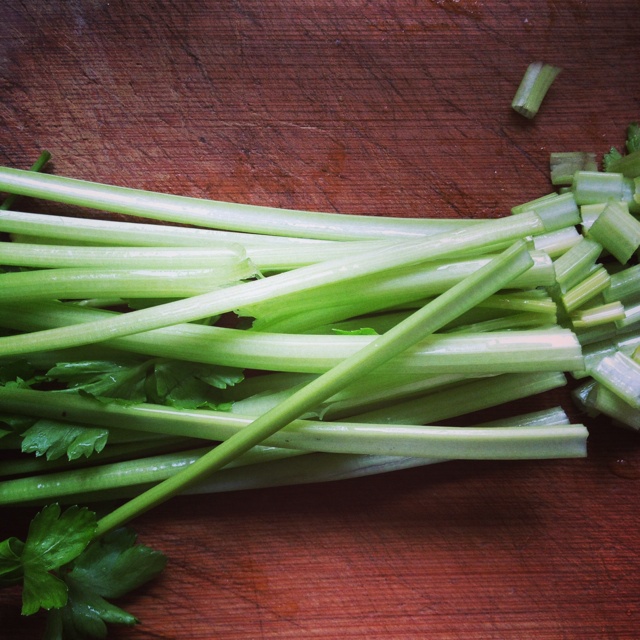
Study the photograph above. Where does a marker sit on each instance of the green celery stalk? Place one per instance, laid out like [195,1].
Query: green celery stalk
[533,88]
[230,298]
[465,295]
[221,215]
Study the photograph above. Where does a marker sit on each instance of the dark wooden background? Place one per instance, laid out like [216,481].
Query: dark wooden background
[399,108]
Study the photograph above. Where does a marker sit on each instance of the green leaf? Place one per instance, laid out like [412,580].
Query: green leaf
[19,372]
[103,378]
[11,561]
[189,385]
[54,539]
[633,137]
[609,158]
[54,439]
[110,567]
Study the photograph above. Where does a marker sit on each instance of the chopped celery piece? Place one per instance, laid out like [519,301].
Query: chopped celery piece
[631,316]
[610,404]
[533,88]
[563,165]
[587,289]
[621,375]
[576,264]
[594,187]
[555,243]
[624,286]
[556,212]
[617,231]
[598,315]
[590,212]
[628,166]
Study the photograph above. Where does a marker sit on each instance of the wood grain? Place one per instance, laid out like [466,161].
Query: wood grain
[399,108]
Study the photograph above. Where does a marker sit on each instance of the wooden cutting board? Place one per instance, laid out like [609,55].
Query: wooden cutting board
[397,108]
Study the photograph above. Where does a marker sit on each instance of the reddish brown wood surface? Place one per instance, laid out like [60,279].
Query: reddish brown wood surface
[398,108]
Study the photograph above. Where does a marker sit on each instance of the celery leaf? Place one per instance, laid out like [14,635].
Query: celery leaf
[54,539]
[110,567]
[55,439]
[610,158]
[633,137]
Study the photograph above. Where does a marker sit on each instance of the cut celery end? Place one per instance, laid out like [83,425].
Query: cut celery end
[608,403]
[576,264]
[624,286]
[594,284]
[556,243]
[617,231]
[593,187]
[621,375]
[600,315]
[563,165]
[628,165]
[533,88]
[557,211]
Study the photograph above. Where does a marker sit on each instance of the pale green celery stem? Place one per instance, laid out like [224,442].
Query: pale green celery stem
[38,165]
[590,212]
[583,397]
[371,391]
[604,401]
[49,256]
[70,283]
[465,398]
[599,315]
[624,286]
[533,88]
[318,467]
[593,285]
[563,165]
[576,264]
[512,442]
[596,351]
[617,231]
[419,325]
[498,352]
[397,286]
[28,464]
[293,470]
[555,243]
[595,187]
[557,212]
[268,253]
[129,473]
[221,215]
[532,204]
[631,317]
[230,298]
[621,375]
[515,321]
[306,317]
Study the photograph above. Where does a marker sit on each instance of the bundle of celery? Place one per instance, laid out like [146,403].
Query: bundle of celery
[261,347]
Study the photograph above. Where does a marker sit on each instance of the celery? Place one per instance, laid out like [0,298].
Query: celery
[533,88]
[563,165]
[617,231]
[221,215]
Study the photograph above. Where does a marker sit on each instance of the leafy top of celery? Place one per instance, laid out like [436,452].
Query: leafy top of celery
[65,571]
